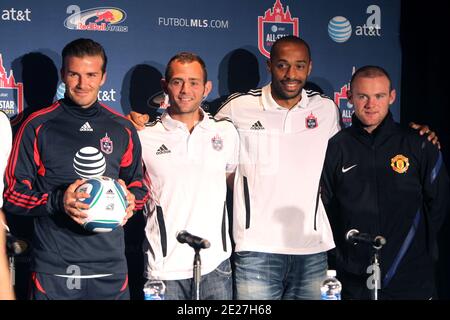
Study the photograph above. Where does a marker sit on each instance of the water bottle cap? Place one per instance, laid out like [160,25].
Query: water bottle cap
[331,273]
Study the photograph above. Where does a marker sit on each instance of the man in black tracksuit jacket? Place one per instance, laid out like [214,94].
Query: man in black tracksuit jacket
[382,179]
[76,137]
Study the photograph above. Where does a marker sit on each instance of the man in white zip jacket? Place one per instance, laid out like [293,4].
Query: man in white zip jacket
[187,156]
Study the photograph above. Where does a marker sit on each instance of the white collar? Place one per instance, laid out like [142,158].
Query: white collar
[269,103]
[171,124]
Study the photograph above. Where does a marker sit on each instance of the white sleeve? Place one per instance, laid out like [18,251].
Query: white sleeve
[337,118]
[224,112]
[5,149]
[233,156]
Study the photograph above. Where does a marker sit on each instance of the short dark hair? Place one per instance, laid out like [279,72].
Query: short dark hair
[185,57]
[370,72]
[290,39]
[84,47]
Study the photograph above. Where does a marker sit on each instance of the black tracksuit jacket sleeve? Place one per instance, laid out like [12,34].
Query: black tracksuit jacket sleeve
[21,195]
[436,191]
[131,169]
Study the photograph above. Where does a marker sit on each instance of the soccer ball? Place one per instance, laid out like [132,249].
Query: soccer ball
[107,204]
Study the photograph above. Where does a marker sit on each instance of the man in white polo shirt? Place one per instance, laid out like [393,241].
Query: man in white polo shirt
[188,156]
[280,227]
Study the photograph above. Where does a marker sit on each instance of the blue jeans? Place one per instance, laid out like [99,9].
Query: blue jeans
[269,276]
[216,285]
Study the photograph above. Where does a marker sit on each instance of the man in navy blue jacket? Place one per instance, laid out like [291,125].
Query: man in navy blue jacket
[382,179]
[55,149]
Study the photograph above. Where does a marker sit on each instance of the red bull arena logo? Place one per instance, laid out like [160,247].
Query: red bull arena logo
[276,23]
[96,19]
[11,94]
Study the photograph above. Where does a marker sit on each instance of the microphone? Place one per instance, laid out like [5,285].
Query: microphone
[354,237]
[14,245]
[195,242]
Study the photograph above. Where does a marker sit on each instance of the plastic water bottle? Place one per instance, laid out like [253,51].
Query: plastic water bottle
[331,287]
[154,290]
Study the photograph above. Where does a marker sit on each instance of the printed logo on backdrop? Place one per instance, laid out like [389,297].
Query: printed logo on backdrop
[11,94]
[340,28]
[276,23]
[183,22]
[12,14]
[345,107]
[102,96]
[96,19]
[159,101]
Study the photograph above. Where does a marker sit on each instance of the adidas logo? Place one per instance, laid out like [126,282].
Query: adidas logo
[257,126]
[162,150]
[86,127]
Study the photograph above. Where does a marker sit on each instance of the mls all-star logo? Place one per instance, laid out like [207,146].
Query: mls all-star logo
[345,107]
[311,121]
[217,142]
[106,144]
[275,24]
[11,95]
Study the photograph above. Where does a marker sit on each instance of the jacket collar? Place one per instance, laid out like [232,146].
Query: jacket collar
[384,130]
[79,112]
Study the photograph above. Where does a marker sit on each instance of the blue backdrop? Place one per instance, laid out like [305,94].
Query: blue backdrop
[140,36]
[232,36]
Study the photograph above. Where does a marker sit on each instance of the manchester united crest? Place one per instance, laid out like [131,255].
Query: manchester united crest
[311,121]
[106,144]
[400,163]
[217,142]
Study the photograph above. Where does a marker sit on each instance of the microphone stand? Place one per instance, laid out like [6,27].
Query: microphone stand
[377,245]
[197,274]
[12,271]
[15,247]
[376,273]
[197,244]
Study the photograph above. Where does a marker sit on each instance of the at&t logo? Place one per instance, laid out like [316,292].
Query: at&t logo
[103,95]
[340,28]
